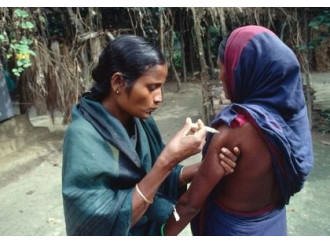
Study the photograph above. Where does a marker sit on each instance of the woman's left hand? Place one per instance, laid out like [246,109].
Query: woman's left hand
[228,159]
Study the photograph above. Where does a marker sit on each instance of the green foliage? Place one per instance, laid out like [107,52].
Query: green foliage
[215,41]
[325,124]
[21,13]
[177,60]
[321,23]
[18,43]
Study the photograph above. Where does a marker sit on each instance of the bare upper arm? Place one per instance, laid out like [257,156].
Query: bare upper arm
[211,171]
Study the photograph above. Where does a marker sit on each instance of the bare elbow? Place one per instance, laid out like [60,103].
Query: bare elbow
[191,206]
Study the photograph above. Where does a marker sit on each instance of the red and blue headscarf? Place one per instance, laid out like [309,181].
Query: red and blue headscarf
[264,82]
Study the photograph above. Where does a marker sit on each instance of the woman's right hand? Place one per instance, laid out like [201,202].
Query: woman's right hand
[187,142]
[228,159]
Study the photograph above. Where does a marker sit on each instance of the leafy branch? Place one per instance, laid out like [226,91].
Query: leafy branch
[322,24]
[18,42]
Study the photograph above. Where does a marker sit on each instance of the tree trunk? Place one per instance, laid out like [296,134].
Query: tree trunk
[209,52]
[183,57]
[161,35]
[191,53]
[176,76]
[80,30]
[171,36]
[307,72]
[95,44]
[161,31]
[207,103]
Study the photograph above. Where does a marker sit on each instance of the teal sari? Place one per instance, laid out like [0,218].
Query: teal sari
[101,168]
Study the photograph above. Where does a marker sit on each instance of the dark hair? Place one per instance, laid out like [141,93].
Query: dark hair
[129,54]
[221,49]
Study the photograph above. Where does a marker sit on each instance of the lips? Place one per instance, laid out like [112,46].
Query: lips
[152,109]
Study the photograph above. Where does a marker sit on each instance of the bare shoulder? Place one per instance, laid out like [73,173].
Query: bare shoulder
[246,137]
[230,137]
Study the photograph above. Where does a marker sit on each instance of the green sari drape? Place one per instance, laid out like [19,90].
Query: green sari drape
[100,170]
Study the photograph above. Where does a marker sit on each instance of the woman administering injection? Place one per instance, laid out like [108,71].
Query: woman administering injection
[118,176]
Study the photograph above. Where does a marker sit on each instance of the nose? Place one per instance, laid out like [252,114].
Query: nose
[158,97]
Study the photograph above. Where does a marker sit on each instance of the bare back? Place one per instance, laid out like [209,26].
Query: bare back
[250,189]
[252,186]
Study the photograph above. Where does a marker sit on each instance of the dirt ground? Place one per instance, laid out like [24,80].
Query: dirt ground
[31,204]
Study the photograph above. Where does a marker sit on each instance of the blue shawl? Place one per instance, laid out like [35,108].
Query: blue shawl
[263,81]
[100,170]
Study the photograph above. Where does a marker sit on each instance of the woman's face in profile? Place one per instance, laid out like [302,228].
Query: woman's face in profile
[146,93]
[222,76]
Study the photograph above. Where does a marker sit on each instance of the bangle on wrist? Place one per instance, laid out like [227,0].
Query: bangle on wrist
[141,194]
[181,175]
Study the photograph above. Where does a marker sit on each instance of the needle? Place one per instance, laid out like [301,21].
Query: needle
[211,130]
[207,128]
